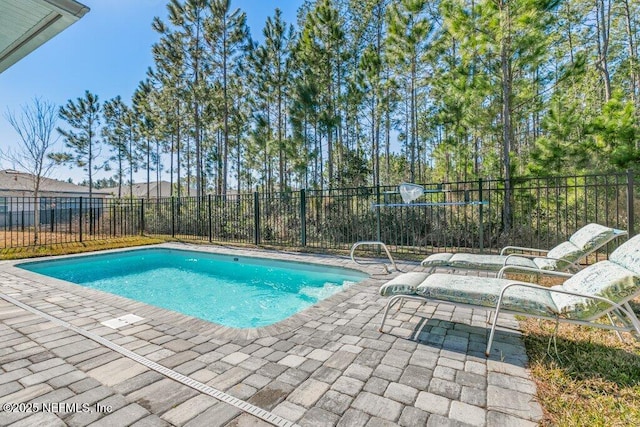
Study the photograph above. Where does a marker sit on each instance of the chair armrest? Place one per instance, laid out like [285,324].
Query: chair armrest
[521,248]
[537,271]
[560,291]
[528,256]
[569,264]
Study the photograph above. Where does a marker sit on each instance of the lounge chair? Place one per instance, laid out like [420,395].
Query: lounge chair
[562,257]
[602,289]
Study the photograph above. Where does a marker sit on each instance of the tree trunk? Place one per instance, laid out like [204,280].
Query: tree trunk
[90,159]
[130,161]
[158,194]
[36,209]
[387,125]
[179,184]
[329,128]
[198,153]
[172,153]
[196,113]
[376,116]
[188,154]
[267,157]
[120,171]
[633,56]
[148,167]
[375,148]
[603,25]
[280,143]
[225,147]
[238,160]
[507,131]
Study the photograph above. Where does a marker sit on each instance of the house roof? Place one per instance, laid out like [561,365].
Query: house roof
[25,25]
[140,189]
[15,181]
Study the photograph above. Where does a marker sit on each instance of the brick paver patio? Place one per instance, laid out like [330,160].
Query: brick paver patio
[325,366]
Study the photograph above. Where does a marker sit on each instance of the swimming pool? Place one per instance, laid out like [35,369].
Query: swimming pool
[240,292]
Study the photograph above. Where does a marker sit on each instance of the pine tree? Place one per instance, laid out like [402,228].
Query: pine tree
[320,50]
[146,124]
[83,116]
[226,35]
[113,133]
[184,40]
[278,37]
[509,39]
[262,101]
[168,78]
[305,111]
[410,34]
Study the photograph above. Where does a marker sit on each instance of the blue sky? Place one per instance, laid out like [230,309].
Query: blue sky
[107,52]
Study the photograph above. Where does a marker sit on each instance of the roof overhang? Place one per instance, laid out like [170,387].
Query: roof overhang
[27,24]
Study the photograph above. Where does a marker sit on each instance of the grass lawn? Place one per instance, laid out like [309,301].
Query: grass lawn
[592,380]
[77,247]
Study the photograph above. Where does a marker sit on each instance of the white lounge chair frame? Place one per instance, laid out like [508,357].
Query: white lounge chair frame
[623,311]
[541,253]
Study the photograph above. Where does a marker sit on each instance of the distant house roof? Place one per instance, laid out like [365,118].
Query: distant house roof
[140,190]
[14,182]
[25,25]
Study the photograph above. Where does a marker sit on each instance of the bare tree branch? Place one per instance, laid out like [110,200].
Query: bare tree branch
[35,126]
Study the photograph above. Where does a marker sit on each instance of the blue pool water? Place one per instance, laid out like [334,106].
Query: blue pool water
[239,292]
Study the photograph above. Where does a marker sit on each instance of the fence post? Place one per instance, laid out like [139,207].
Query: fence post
[90,216]
[209,215]
[303,217]
[141,217]
[52,219]
[80,219]
[256,218]
[481,216]
[630,207]
[173,217]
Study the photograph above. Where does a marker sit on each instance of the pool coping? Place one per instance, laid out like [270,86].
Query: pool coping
[201,326]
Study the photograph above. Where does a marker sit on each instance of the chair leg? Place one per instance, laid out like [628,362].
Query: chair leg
[394,303]
[493,329]
[553,338]
[633,318]
[489,314]
[614,324]
[391,302]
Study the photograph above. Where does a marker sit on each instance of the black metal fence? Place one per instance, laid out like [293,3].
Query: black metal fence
[451,216]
